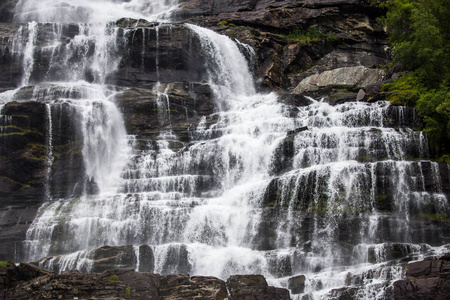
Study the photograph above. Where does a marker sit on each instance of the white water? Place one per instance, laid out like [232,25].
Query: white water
[208,198]
[88,11]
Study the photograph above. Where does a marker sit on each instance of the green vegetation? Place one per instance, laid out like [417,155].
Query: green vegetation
[313,34]
[419,32]
[225,23]
[436,217]
[15,130]
[73,148]
[113,279]
[128,292]
[4,264]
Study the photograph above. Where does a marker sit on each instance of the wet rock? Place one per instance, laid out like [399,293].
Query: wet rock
[294,99]
[346,293]
[176,107]
[30,282]
[340,97]
[432,267]
[253,287]
[297,284]
[146,259]
[351,34]
[23,171]
[107,257]
[392,251]
[163,53]
[427,279]
[148,53]
[181,286]
[7,10]
[67,178]
[10,67]
[121,283]
[297,130]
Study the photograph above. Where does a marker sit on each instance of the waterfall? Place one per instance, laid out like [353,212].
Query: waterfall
[85,11]
[335,193]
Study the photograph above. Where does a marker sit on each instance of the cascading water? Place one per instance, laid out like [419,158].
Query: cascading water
[330,192]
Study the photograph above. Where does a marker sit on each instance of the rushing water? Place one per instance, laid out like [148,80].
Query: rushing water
[341,205]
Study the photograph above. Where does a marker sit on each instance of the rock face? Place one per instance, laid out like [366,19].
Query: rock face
[341,34]
[30,282]
[10,67]
[148,112]
[23,171]
[7,10]
[253,287]
[427,279]
[347,77]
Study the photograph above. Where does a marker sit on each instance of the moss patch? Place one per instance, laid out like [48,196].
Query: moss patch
[128,292]
[4,264]
[225,23]
[312,35]
[113,279]
[437,217]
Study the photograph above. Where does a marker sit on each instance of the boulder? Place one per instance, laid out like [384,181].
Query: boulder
[181,286]
[427,279]
[297,284]
[253,287]
[346,77]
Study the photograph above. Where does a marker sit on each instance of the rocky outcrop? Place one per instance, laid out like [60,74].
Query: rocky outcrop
[253,287]
[7,10]
[176,107]
[341,78]
[297,39]
[27,281]
[427,279]
[10,66]
[297,284]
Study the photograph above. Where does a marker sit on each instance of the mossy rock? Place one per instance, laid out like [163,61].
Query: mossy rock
[5,264]
[113,279]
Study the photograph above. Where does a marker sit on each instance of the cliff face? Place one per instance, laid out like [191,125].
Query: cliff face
[296,39]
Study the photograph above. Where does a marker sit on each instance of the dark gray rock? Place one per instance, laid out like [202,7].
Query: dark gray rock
[297,284]
[30,282]
[10,67]
[253,287]
[181,286]
[354,37]
[427,279]
[23,172]
[170,53]
[148,112]
[7,10]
